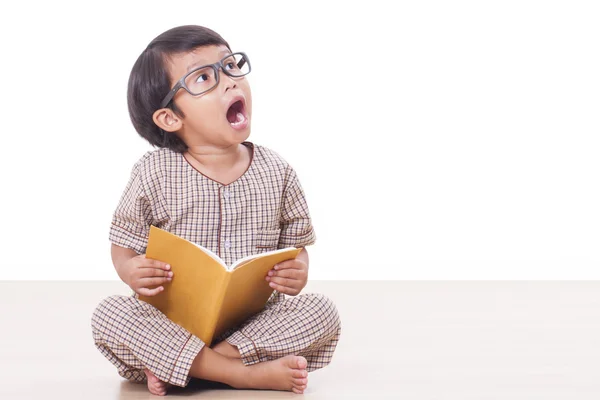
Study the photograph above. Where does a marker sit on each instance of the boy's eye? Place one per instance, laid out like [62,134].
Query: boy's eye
[202,78]
[230,65]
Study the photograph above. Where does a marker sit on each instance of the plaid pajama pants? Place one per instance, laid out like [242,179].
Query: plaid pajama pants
[134,335]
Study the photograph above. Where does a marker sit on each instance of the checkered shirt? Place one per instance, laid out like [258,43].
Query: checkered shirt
[263,210]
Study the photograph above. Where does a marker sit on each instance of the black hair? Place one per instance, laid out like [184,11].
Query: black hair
[149,81]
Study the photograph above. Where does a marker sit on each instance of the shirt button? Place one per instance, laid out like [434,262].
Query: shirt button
[227,244]
[226,193]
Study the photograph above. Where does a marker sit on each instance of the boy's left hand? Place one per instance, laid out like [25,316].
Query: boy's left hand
[288,277]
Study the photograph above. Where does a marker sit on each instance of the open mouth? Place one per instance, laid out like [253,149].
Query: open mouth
[236,114]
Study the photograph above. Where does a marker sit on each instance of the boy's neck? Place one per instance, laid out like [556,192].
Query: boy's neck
[217,158]
[221,164]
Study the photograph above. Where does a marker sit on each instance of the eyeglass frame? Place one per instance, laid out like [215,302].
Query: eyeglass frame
[216,66]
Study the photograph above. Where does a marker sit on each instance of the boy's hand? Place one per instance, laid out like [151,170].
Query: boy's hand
[289,276]
[143,274]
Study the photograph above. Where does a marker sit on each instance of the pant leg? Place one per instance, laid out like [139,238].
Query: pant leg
[134,335]
[306,325]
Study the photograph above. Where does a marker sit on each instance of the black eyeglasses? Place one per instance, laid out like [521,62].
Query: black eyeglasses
[202,79]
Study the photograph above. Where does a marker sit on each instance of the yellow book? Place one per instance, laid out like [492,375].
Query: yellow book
[205,296]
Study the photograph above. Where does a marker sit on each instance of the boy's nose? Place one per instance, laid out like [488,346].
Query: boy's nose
[228,81]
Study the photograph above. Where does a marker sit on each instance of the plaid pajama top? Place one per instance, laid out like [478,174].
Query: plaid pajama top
[263,210]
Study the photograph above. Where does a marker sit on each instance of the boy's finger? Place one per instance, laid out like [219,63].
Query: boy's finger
[290,283]
[165,269]
[283,289]
[150,292]
[152,263]
[151,282]
[155,272]
[158,264]
[289,264]
[286,273]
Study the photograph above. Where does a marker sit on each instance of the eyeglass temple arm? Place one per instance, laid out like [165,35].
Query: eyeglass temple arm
[170,96]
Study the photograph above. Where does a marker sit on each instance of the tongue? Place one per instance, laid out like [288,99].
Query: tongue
[232,115]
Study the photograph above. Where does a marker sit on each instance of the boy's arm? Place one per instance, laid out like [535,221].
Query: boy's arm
[141,274]
[290,276]
[120,255]
[303,256]
[296,225]
[129,236]
[133,216]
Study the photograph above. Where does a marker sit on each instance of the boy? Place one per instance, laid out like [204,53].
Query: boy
[188,95]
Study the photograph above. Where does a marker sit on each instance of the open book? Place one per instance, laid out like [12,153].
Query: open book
[205,297]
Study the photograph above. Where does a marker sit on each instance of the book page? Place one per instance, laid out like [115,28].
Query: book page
[248,291]
[209,253]
[251,257]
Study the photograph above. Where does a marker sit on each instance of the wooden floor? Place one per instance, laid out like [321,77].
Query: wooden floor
[402,340]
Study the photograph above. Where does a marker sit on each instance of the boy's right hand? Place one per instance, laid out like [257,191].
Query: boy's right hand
[145,275]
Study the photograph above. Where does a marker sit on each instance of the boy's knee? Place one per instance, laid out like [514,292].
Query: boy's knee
[326,311]
[105,312]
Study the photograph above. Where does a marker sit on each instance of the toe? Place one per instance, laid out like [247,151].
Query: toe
[302,363]
[159,389]
[299,373]
[298,391]
[300,382]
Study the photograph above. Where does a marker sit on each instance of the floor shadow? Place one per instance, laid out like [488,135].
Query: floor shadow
[130,390]
[201,384]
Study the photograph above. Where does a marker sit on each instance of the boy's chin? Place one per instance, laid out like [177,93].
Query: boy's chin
[240,136]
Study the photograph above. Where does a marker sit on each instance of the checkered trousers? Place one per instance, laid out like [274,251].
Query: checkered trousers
[134,335]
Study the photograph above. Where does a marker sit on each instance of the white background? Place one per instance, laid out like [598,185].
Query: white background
[434,140]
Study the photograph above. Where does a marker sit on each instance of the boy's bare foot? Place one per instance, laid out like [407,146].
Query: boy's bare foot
[287,373]
[155,385]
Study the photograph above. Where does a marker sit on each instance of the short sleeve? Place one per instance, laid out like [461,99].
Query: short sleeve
[296,225]
[133,216]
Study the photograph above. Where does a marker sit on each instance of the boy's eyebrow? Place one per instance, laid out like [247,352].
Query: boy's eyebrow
[198,63]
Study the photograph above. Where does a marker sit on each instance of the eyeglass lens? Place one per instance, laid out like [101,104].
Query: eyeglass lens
[204,79]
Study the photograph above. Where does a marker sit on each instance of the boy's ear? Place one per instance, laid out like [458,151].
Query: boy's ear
[166,120]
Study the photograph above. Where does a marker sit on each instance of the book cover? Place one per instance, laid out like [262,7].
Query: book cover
[205,296]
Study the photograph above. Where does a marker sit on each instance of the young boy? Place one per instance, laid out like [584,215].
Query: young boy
[188,95]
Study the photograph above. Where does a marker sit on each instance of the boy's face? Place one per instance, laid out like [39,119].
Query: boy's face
[219,117]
